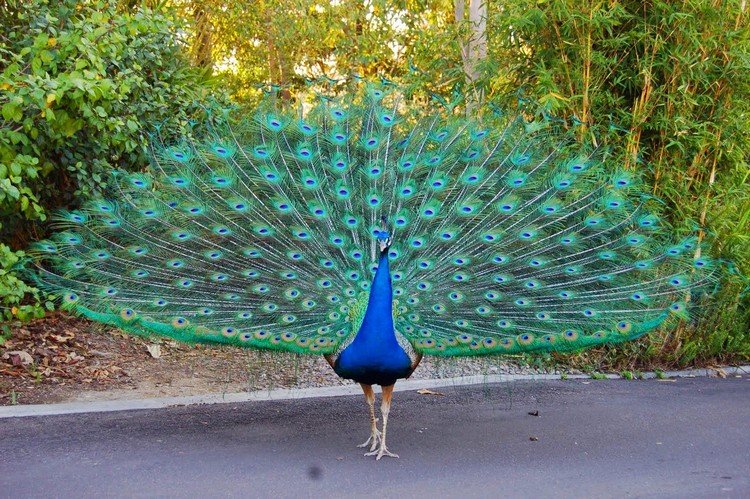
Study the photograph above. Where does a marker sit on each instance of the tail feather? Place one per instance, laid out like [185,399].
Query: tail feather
[508,236]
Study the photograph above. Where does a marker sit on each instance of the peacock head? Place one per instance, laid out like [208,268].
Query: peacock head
[385,240]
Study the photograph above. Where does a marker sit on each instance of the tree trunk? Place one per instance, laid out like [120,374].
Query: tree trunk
[203,45]
[474,48]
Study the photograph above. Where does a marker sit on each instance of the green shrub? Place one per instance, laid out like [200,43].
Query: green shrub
[17,299]
[82,83]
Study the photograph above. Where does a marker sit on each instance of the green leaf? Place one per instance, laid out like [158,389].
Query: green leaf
[12,112]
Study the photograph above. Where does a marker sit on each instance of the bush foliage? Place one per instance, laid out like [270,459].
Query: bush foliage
[81,84]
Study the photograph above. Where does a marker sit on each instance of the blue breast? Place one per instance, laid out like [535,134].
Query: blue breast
[374,356]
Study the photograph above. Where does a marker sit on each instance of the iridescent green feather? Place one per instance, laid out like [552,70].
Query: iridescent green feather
[509,236]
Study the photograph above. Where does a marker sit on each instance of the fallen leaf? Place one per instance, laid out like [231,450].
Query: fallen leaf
[154,350]
[427,391]
[19,357]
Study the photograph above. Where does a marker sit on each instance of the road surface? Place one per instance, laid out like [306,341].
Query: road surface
[676,438]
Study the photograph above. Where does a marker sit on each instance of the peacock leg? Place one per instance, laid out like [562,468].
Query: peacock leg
[385,408]
[374,439]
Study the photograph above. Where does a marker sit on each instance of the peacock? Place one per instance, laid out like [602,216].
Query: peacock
[356,227]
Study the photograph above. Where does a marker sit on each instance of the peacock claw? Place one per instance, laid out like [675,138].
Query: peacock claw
[372,441]
[383,451]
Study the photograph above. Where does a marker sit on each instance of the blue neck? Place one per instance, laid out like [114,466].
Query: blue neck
[377,325]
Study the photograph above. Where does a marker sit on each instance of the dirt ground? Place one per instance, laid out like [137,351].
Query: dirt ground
[62,358]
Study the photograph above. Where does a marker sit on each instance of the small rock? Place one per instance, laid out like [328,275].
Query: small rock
[534,439]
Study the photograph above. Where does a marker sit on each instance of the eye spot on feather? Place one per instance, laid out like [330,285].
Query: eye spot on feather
[127,314]
[270,307]
[677,307]
[521,159]
[624,327]
[570,335]
[500,259]
[525,339]
[180,322]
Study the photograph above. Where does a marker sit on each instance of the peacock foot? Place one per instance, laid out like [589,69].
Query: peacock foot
[382,451]
[373,441]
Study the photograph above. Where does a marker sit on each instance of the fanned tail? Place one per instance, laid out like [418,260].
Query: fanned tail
[508,236]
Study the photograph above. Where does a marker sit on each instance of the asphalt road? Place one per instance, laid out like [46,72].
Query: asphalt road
[682,438]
